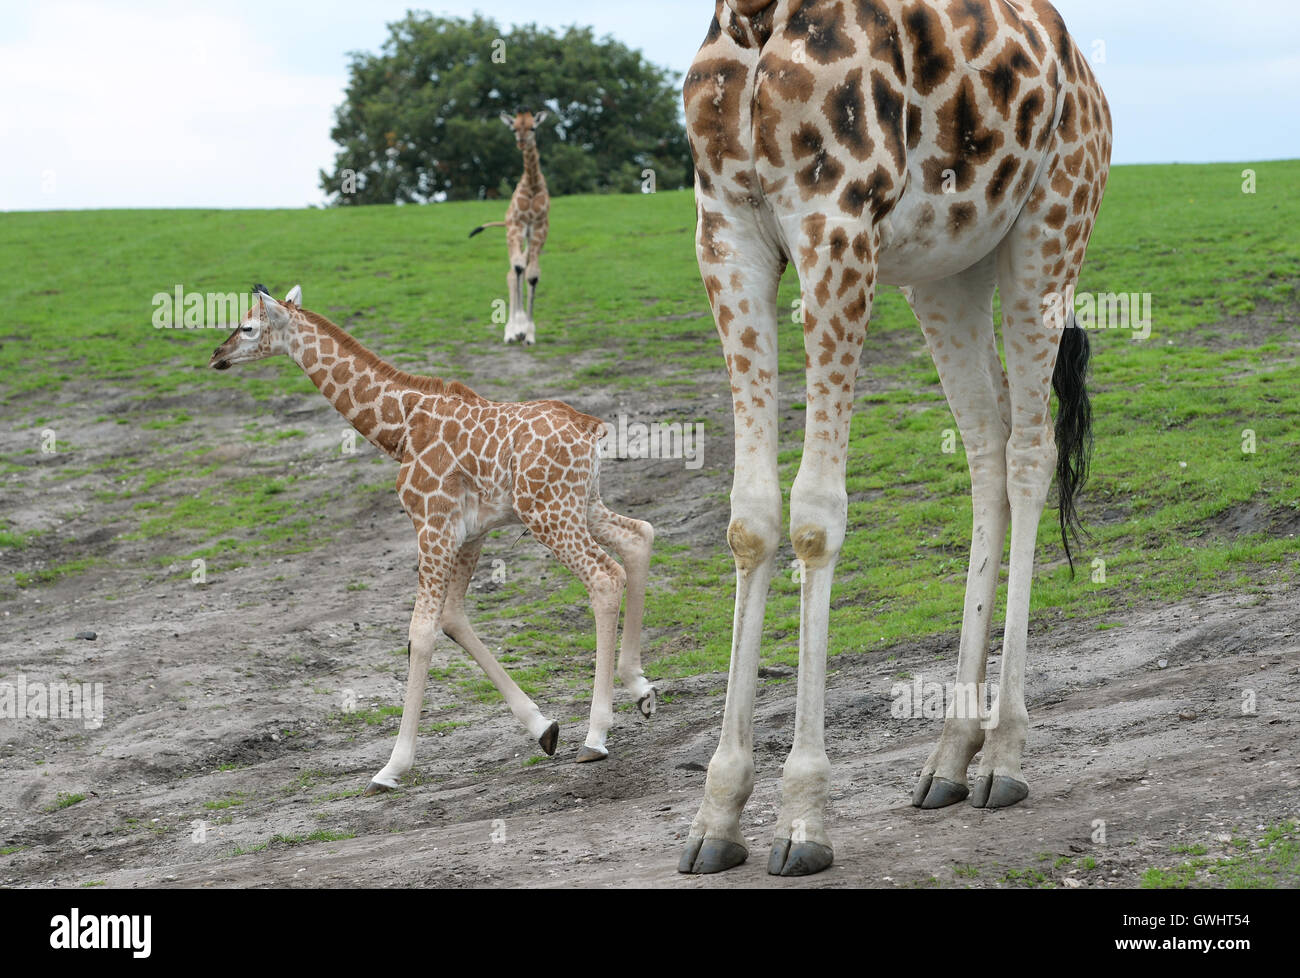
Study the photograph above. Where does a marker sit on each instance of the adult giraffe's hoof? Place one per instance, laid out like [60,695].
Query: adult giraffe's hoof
[376,788]
[998,791]
[648,703]
[548,740]
[588,754]
[798,858]
[703,856]
[932,792]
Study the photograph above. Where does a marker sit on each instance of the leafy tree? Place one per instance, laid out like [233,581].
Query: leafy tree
[420,121]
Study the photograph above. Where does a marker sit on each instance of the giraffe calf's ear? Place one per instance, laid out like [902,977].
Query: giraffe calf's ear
[295,295]
[276,314]
[508,119]
[540,118]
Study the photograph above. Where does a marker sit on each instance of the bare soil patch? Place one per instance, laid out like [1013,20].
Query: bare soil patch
[226,748]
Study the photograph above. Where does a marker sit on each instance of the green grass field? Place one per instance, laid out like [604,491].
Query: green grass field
[1171,489]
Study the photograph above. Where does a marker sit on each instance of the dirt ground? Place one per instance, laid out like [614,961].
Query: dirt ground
[224,743]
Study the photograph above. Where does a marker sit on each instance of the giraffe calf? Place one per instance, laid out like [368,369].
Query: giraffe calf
[527,224]
[469,466]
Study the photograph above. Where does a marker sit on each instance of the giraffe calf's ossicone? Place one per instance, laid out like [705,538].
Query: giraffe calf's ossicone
[469,466]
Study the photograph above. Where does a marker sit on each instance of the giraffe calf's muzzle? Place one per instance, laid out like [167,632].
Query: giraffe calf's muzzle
[219,360]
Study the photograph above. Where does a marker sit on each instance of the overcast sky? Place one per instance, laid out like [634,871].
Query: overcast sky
[145,103]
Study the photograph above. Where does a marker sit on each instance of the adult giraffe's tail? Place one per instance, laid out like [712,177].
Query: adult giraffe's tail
[1073,429]
[489,224]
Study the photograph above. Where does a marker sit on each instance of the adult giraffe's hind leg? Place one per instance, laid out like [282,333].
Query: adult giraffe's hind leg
[1037,266]
[956,315]
[742,292]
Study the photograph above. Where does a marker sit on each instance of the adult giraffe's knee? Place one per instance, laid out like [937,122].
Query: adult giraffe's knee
[818,518]
[753,541]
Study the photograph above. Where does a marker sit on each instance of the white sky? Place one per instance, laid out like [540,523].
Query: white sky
[142,103]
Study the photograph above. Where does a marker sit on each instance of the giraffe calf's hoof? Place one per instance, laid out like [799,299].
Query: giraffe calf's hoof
[703,856]
[998,791]
[798,858]
[376,788]
[591,754]
[648,703]
[932,792]
[548,740]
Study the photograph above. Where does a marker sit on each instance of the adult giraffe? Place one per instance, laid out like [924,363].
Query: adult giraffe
[947,146]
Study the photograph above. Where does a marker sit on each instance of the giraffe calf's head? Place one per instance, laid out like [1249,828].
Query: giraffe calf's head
[263,333]
[524,124]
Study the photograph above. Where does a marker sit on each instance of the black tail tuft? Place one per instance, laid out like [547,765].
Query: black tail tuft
[477,230]
[1073,430]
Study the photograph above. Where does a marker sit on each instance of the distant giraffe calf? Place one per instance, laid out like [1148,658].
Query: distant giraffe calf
[470,465]
[527,222]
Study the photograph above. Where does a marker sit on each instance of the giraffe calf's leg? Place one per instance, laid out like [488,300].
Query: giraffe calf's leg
[530,336]
[533,274]
[423,633]
[566,535]
[631,540]
[516,325]
[605,587]
[456,626]
[437,558]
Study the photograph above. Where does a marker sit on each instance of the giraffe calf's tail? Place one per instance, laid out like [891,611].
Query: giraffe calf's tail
[489,224]
[1073,429]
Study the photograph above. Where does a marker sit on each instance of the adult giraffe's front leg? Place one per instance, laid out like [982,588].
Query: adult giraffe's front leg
[837,274]
[741,270]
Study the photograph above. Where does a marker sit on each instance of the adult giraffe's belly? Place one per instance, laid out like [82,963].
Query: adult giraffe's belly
[917,243]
